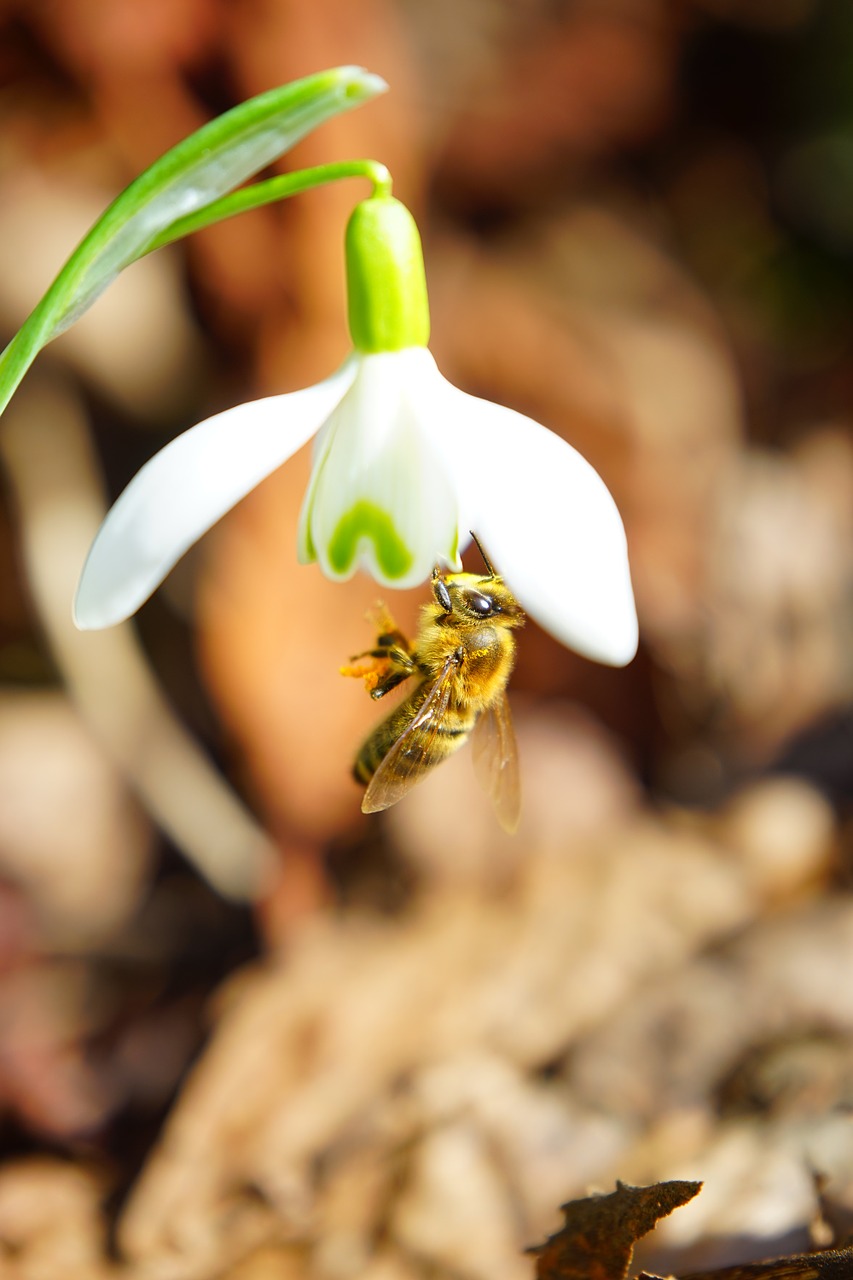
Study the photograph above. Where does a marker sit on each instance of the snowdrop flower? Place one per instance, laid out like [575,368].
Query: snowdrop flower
[405,464]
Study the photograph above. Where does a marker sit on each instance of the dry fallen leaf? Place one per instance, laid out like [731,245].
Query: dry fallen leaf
[597,1239]
[830,1264]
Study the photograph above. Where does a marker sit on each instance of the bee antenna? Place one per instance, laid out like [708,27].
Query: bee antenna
[486,561]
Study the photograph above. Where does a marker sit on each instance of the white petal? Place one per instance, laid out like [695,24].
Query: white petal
[187,487]
[381,495]
[549,525]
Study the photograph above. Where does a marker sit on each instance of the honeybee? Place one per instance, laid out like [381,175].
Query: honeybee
[462,659]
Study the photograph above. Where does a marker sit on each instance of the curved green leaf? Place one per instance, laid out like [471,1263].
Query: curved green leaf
[196,173]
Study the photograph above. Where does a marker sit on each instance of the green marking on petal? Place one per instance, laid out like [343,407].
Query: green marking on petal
[366,520]
[309,551]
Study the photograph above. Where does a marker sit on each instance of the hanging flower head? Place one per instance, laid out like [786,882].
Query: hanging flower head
[405,465]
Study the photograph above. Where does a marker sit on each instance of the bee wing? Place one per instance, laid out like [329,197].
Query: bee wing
[496,761]
[412,753]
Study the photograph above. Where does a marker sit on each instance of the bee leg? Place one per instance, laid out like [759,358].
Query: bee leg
[386,651]
[391,647]
[391,641]
[393,658]
[401,665]
[386,669]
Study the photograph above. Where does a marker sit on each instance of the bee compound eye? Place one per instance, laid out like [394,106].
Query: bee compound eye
[479,603]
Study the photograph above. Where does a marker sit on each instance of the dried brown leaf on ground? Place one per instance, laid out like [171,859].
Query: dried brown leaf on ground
[386,1081]
[596,1241]
[829,1264]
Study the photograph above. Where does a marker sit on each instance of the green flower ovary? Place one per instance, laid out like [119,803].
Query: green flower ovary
[386,283]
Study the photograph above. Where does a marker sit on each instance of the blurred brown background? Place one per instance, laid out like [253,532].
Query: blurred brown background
[638,230]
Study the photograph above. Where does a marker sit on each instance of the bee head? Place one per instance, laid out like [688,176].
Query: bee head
[474,598]
[490,597]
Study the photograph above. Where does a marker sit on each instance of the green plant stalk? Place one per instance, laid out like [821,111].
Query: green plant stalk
[271,190]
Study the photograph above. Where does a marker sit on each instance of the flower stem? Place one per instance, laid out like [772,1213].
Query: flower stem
[278,188]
